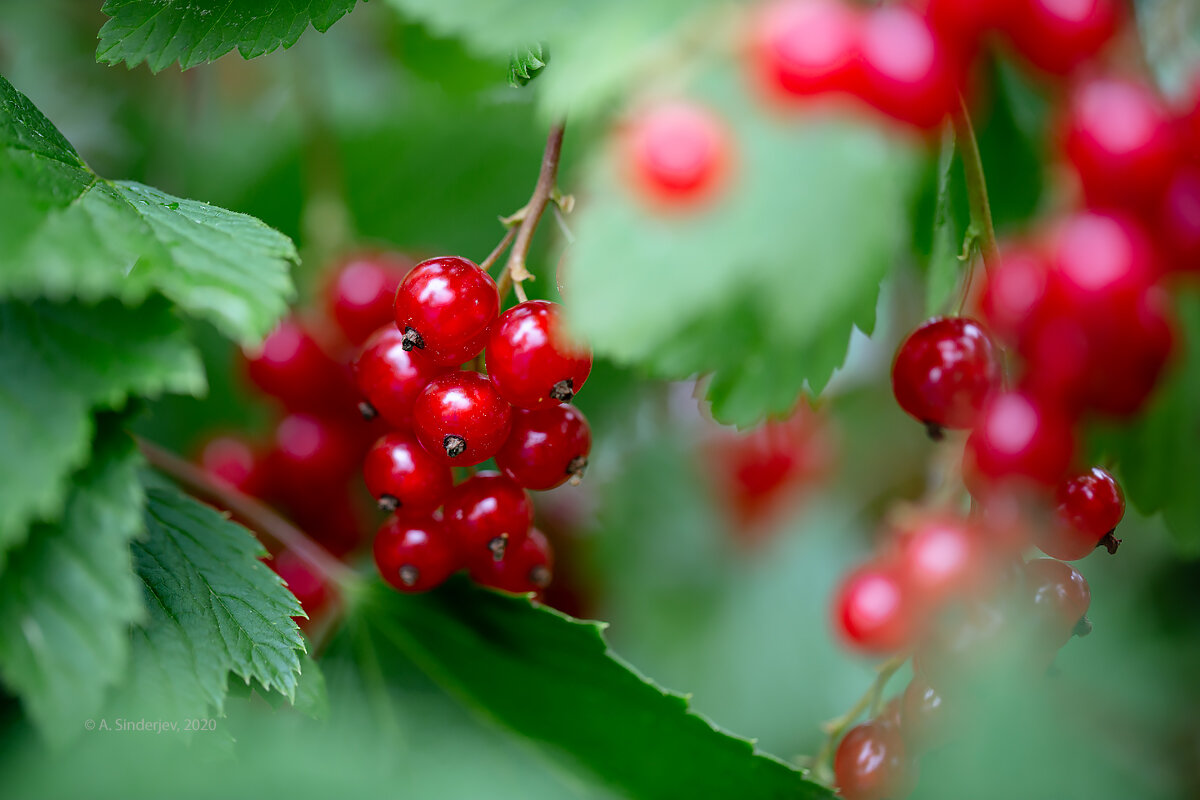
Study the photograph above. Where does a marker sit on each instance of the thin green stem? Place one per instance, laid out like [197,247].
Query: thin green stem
[870,701]
[977,194]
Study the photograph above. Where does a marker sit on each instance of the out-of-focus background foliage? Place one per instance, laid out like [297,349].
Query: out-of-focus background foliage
[384,132]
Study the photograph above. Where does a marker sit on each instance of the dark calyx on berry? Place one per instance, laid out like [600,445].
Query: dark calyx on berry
[388,502]
[576,467]
[1110,542]
[409,575]
[934,431]
[412,339]
[367,410]
[498,546]
[563,391]
[455,445]
[540,576]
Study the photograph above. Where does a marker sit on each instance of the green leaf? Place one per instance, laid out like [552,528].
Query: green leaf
[599,48]
[1170,33]
[69,595]
[762,290]
[213,609]
[60,362]
[1157,459]
[554,680]
[161,32]
[526,64]
[944,262]
[66,232]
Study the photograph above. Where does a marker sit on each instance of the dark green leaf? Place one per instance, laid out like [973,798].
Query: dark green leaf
[69,594]
[526,64]
[66,232]
[59,362]
[554,680]
[213,609]
[161,32]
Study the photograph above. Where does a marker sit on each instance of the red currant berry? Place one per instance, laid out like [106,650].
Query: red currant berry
[1119,137]
[938,558]
[890,717]
[677,154]
[962,645]
[872,611]
[907,73]
[944,372]
[302,580]
[311,454]
[924,716]
[390,377]
[965,21]
[414,553]
[362,293]
[235,462]
[1014,291]
[1059,35]
[331,518]
[871,764]
[488,515]
[530,359]
[462,418]
[401,474]
[1019,439]
[1090,505]
[546,448]
[1179,219]
[529,568]
[807,47]
[444,307]
[1059,595]
[291,367]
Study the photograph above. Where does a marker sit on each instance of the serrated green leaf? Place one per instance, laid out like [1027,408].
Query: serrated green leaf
[69,595]
[554,680]
[67,233]
[1157,459]
[526,64]
[58,363]
[213,609]
[763,283]
[161,32]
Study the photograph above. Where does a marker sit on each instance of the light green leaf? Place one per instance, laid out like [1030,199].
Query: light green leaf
[69,595]
[944,263]
[161,32]
[526,64]
[58,363]
[67,233]
[213,609]
[763,285]
[554,680]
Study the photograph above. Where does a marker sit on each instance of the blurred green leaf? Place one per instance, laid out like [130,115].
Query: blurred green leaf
[526,64]
[198,31]
[1157,457]
[68,233]
[763,285]
[69,595]
[1170,33]
[60,362]
[213,609]
[554,680]
[944,263]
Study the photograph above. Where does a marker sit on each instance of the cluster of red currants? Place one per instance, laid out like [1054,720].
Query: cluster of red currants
[907,61]
[447,310]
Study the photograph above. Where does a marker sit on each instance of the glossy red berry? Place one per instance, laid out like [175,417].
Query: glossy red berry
[401,474]
[390,377]
[938,557]
[415,553]
[906,71]
[530,359]
[677,154]
[489,516]
[546,448]
[1120,139]
[311,454]
[1059,596]
[1179,219]
[1018,439]
[944,372]
[302,580]
[963,22]
[529,568]
[807,47]
[923,715]
[872,611]
[1090,506]
[1014,291]
[1059,35]
[291,367]
[462,418]
[871,764]
[444,307]
[361,295]
[235,462]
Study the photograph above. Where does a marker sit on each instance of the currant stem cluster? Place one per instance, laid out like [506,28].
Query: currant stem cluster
[870,702]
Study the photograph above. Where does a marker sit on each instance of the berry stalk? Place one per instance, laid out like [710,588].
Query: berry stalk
[543,191]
